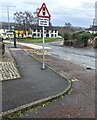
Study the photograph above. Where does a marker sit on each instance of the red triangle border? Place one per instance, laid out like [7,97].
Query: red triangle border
[46,10]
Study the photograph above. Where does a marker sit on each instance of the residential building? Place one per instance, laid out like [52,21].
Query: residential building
[36,32]
[4,34]
[93,27]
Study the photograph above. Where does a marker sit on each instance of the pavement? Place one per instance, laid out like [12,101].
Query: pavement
[34,86]
[34,46]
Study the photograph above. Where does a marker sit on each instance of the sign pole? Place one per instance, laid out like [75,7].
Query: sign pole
[44,17]
[43,65]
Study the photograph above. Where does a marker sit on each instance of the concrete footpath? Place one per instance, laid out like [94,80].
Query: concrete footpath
[34,85]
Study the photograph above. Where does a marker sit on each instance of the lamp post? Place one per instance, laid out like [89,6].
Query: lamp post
[93,24]
[8,16]
[25,26]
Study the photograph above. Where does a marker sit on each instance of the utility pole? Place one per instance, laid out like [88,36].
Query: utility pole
[93,24]
[8,16]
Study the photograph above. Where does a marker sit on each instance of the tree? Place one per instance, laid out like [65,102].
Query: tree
[67,31]
[35,21]
[23,20]
[68,25]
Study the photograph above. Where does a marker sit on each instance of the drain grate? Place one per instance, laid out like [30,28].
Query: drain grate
[88,68]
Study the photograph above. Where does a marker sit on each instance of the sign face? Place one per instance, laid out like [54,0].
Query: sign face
[43,21]
[43,12]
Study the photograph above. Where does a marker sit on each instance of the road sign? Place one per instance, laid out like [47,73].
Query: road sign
[43,21]
[43,12]
[44,17]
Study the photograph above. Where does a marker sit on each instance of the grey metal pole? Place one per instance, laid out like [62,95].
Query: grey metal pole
[8,17]
[43,64]
[93,24]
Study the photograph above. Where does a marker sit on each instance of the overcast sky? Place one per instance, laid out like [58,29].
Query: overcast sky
[77,12]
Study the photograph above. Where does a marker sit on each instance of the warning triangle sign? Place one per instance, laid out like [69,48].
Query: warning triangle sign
[43,12]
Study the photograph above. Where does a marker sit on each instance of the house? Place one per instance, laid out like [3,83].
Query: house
[5,35]
[36,32]
[92,29]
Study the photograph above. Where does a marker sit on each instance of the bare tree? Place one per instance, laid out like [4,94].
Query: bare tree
[23,20]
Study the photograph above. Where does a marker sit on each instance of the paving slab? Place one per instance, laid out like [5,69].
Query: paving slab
[8,68]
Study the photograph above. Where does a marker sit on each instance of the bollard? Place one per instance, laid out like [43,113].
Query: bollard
[14,40]
[3,47]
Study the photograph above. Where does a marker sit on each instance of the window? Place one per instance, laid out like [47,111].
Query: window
[38,30]
[47,31]
[38,34]
[47,35]
[34,34]
[34,30]
[52,35]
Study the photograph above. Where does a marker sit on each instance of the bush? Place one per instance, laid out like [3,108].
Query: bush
[95,42]
[82,38]
[66,36]
[2,46]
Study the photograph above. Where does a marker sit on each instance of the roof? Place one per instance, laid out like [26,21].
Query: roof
[47,28]
[5,26]
[92,28]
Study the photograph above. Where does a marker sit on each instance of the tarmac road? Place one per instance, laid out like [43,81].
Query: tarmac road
[80,103]
[85,57]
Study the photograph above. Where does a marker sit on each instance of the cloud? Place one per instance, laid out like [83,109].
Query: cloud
[75,11]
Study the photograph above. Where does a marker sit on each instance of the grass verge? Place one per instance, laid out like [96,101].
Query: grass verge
[39,40]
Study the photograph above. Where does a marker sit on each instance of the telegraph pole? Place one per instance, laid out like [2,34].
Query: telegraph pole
[8,16]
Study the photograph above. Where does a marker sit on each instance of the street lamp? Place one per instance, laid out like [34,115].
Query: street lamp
[93,24]
[8,16]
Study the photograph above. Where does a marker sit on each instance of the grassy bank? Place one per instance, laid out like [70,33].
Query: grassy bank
[39,40]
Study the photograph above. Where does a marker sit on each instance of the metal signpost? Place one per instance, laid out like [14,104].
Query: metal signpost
[44,17]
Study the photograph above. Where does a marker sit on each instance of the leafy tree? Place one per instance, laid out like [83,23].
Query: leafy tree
[82,37]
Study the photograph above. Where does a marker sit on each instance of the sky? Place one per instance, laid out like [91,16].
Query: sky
[77,12]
